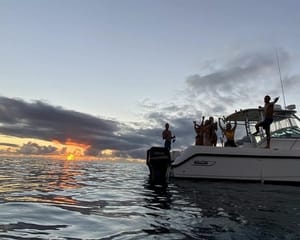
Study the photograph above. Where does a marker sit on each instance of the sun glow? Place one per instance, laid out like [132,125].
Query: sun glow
[107,152]
[68,150]
[70,157]
[71,150]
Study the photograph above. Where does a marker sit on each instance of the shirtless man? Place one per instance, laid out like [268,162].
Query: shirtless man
[199,132]
[167,136]
[268,118]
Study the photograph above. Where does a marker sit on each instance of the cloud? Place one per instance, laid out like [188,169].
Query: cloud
[9,145]
[31,148]
[244,77]
[39,120]
[291,81]
[43,121]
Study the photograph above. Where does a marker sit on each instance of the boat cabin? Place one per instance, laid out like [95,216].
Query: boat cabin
[285,130]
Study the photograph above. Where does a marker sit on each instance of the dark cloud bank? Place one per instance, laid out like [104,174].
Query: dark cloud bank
[46,122]
[242,81]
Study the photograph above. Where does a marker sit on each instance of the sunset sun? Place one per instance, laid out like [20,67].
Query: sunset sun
[70,157]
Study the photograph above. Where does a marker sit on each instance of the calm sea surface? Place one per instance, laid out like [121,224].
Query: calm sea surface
[48,199]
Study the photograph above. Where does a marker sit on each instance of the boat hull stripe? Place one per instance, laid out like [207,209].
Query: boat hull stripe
[235,156]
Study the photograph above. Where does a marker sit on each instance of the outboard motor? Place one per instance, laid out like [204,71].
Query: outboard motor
[158,161]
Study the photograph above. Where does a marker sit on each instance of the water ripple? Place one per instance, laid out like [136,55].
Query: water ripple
[49,199]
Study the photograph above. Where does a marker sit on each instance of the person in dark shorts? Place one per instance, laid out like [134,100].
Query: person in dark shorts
[268,118]
[167,136]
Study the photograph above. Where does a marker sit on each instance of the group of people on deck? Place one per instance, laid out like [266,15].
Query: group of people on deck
[206,131]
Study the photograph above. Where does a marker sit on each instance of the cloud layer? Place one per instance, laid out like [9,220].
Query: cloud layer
[39,120]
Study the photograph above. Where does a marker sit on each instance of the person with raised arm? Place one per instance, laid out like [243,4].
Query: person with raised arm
[228,132]
[268,118]
[199,132]
[213,129]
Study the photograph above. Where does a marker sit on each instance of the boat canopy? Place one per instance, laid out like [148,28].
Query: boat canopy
[255,115]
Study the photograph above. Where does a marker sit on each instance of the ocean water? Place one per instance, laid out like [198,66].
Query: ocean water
[51,199]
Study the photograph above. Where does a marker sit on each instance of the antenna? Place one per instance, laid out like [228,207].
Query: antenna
[280,79]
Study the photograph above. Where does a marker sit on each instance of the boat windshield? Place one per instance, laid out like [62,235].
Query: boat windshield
[286,128]
[283,126]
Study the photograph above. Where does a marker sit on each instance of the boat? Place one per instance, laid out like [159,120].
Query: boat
[250,160]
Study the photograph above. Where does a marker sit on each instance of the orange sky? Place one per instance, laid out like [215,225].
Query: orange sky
[70,150]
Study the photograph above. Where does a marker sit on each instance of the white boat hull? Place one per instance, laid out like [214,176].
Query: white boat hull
[255,164]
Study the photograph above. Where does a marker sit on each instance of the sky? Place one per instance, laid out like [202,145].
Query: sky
[100,79]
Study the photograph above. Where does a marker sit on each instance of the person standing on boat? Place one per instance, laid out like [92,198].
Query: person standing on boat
[229,132]
[207,133]
[213,134]
[167,136]
[268,118]
[199,132]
